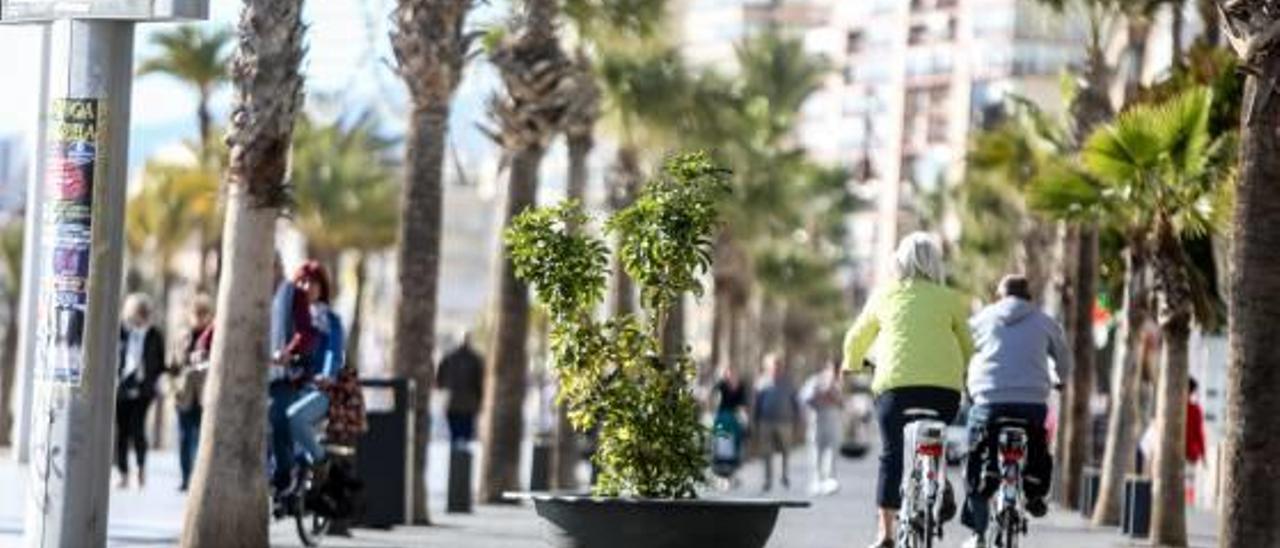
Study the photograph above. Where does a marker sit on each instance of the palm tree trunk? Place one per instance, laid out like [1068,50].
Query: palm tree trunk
[418,272]
[1068,243]
[1168,518]
[1078,438]
[225,507]
[357,315]
[226,502]
[624,185]
[719,307]
[673,330]
[1212,33]
[506,379]
[1252,484]
[579,151]
[162,314]
[8,368]
[1122,431]
[205,123]
[564,454]
[1139,34]
[1179,20]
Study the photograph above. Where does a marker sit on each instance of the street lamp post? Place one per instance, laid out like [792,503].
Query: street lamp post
[78,270]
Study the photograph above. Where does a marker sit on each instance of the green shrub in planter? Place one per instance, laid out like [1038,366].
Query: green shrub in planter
[611,373]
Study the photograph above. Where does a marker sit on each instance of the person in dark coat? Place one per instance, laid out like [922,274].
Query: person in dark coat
[461,374]
[140,367]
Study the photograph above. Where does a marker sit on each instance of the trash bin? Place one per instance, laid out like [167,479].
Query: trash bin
[384,454]
[1090,483]
[1136,516]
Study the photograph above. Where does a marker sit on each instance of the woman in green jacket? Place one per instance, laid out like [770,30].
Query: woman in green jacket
[920,329]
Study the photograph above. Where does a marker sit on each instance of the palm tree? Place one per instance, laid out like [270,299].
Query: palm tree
[1252,484]
[430,48]
[754,122]
[536,75]
[1157,167]
[1078,244]
[198,58]
[345,198]
[226,503]
[11,256]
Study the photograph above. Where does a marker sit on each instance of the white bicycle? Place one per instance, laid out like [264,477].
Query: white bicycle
[924,479]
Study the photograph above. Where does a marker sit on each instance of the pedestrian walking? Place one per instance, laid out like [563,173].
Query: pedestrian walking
[140,366]
[461,375]
[823,393]
[729,425]
[920,329]
[189,373]
[1010,382]
[777,410]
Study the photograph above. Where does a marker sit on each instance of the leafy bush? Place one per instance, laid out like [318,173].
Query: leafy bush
[612,375]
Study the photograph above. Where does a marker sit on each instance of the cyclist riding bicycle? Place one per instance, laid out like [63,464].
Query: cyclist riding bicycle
[310,340]
[1010,383]
[921,335]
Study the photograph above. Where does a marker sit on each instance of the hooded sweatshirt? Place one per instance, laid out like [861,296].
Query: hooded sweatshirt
[1013,340]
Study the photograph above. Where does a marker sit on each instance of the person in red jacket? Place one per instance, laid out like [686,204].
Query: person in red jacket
[1195,425]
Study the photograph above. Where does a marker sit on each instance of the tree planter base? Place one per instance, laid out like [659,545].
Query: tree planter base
[582,521]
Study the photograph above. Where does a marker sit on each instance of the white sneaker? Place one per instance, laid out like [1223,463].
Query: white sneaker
[976,541]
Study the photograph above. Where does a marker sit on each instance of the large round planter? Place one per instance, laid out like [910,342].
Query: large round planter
[581,521]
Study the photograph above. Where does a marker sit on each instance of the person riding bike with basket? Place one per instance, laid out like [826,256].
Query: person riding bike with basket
[1010,383]
[921,334]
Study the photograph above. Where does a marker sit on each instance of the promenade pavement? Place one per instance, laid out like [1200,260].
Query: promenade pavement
[153,517]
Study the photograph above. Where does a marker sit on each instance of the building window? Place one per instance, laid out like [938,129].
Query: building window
[937,129]
[917,34]
[918,5]
[943,4]
[853,43]
[953,28]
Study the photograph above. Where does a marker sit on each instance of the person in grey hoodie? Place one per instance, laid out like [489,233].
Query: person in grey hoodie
[1010,380]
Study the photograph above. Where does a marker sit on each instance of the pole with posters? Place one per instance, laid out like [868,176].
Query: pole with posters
[76,330]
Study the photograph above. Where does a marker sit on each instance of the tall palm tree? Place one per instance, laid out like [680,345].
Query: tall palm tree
[225,506]
[1159,165]
[536,75]
[345,198]
[430,48]
[1079,246]
[11,257]
[1252,484]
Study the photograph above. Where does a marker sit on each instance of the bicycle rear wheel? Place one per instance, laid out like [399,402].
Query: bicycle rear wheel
[312,526]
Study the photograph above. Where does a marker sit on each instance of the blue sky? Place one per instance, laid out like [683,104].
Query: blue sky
[348,59]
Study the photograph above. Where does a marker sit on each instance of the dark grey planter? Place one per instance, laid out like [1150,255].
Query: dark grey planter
[583,521]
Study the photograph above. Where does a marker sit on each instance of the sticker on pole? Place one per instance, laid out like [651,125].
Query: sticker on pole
[131,10]
[71,168]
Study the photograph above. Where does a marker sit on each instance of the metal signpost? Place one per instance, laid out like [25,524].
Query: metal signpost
[78,273]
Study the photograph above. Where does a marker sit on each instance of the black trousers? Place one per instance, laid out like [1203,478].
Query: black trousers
[131,418]
[891,406]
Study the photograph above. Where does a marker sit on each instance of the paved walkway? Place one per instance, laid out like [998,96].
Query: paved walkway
[153,517]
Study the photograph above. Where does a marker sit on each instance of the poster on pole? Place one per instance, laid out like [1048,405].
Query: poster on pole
[72,166]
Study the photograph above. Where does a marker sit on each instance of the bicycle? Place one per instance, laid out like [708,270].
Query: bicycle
[924,480]
[1008,519]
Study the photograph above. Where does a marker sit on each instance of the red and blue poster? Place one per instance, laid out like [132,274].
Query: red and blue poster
[70,172]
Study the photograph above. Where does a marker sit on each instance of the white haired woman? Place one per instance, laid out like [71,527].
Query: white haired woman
[920,329]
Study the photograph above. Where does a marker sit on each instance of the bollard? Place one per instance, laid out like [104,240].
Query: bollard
[540,476]
[459,497]
[1136,517]
[1089,486]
